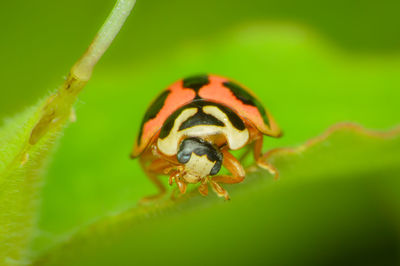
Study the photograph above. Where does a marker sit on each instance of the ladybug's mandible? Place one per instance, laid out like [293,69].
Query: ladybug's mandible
[189,129]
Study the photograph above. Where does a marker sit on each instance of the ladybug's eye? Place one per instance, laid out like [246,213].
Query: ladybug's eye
[200,148]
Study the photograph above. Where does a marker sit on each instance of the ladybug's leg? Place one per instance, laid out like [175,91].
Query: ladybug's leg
[181,185]
[233,166]
[247,151]
[153,170]
[203,188]
[257,157]
[236,169]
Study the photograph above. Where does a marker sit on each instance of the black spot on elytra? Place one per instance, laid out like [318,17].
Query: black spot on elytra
[200,148]
[153,110]
[201,118]
[234,119]
[246,98]
[196,82]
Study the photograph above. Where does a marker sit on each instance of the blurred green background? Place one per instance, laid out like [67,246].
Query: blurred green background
[313,63]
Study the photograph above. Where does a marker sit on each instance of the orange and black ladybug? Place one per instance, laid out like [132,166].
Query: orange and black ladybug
[188,131]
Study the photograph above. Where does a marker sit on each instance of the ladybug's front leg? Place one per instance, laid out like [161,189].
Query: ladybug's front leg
[236,169]
[233,166]
[259,161]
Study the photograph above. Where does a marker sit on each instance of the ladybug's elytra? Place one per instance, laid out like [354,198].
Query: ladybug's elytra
[188,130]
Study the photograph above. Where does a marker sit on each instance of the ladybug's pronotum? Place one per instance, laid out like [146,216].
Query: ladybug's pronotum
[188,131]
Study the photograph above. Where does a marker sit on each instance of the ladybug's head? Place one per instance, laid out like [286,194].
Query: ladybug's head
[200,159]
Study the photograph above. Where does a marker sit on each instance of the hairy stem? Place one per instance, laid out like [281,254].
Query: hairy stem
[31,140]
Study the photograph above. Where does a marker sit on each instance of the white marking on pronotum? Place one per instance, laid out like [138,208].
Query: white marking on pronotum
[235,138]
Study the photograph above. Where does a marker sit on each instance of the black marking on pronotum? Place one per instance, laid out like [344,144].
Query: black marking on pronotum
[196,82]
[246,98]
[235,120]
[153,110]
[200,148]
[201,118]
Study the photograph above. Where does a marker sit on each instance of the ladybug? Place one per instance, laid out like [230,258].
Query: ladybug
[189,129]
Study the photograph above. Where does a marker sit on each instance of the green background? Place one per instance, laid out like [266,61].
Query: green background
[312,63]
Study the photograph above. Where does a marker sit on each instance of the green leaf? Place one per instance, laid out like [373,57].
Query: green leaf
[329,199]
[304,81]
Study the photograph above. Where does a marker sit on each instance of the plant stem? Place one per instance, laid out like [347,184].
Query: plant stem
[84,66]
[58,106]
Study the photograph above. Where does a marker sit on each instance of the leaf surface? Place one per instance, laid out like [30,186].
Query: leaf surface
[337,194]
